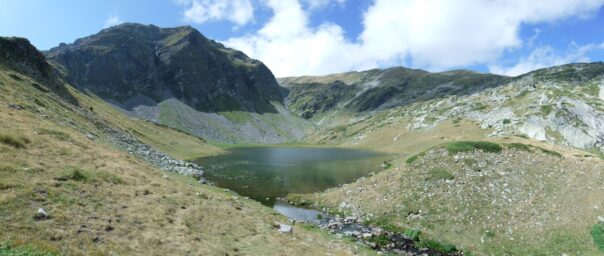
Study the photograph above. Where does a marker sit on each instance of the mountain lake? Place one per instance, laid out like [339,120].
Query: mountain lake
[267,173]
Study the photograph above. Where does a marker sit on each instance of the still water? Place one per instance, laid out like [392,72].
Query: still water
[265,173]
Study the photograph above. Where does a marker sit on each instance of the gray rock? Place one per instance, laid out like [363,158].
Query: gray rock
[41,214]
[14,106]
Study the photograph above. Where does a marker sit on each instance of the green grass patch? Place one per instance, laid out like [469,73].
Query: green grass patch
[439,174]
[7,250]
[438,246]
[412,234]
[414,158]
[597,233]
[13,141]
[465,146]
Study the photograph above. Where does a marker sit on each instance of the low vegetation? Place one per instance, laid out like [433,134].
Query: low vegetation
[597,232]
[489,203]
[6,249]
[465,146]
[439,173]
[13,141]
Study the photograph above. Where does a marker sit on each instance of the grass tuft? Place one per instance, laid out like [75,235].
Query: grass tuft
[440,174]
[412,234]
[7,250]
[57,134]
[438,246]
[551,152]
[597,233]
[519,147]
[465,146]
[16,142]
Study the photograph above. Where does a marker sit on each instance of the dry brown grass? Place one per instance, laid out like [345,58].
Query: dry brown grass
[118,204]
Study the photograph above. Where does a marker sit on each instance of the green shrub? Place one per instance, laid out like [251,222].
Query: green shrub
[440,174]
[464,146]
[597,233]
[16,142]
[507,121]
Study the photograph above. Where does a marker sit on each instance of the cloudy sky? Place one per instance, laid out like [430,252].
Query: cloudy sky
[314,37]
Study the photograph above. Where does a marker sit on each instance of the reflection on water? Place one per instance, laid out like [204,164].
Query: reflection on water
[265,173]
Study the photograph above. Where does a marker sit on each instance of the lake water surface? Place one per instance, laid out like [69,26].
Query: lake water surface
[265,173]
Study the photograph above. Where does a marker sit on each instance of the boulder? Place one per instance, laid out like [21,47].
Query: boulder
[41,214]
[283,228]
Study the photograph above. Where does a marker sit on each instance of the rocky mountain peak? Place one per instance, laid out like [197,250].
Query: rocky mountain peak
[133,61]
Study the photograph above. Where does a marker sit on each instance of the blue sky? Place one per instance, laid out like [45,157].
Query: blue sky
[314,37]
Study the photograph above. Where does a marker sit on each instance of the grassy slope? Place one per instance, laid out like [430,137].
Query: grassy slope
[544,224]
[511,203]
[103,201]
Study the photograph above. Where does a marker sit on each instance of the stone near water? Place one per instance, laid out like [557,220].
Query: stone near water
[283,228]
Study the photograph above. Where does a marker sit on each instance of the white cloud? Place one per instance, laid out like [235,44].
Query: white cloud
[431,34]
[317,4]
[239,12]
[547,56]
[112,20]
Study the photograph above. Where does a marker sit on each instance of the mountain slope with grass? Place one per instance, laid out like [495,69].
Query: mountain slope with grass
[376,89]
[562,105]
[72,182]
[179,78]
[509,197]
[511,169]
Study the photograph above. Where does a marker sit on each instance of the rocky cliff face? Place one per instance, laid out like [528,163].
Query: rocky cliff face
[19,55]
[133,64]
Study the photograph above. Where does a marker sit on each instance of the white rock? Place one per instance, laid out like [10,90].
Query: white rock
[285,228]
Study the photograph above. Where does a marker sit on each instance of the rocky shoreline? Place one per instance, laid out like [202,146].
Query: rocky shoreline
[376,237]
[158,159]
